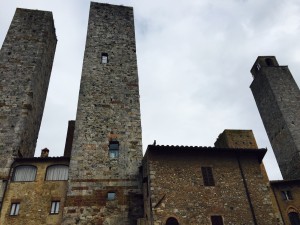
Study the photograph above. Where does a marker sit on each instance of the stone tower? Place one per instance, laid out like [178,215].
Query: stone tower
[107,148]
[278,100]
[26,59]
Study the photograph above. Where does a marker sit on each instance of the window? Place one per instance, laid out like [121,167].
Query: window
[14,209]
[113,149]
[111,196]
[24,173]
[172,221]
[216,220]
[57,172]
[54,207]
[104,58]
[294,218]
[258,66]
[286,195]
[269,62]
[208,178]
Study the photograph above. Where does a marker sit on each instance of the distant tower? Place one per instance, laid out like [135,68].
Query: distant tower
[278,100]
[26,59]
[107,147]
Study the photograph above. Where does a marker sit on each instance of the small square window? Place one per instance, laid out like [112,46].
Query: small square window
[208,178]
[104,58]
[111,196]
[216,220]
[54,207]
[14,210]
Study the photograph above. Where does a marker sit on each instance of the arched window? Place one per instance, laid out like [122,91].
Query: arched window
[269,62]
[57,172]
[294,218]
[24,173]
[172,221]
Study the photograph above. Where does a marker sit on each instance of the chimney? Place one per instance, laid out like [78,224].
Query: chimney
[45,153]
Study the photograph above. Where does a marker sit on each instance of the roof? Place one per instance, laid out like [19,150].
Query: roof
[42,159]
[260,153]
[275,182]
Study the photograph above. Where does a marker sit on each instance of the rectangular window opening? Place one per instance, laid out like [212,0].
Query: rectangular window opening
[208,178]
[111,196]
[113,149]
[216,220]
[104,58]
[287,195]
[14,209]
[55,207]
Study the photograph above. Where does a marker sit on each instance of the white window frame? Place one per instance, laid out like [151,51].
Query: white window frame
[14,209]
[55,207]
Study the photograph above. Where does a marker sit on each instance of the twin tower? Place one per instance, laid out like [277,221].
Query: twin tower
[107,144]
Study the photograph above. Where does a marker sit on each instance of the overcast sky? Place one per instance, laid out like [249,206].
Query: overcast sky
[194,58]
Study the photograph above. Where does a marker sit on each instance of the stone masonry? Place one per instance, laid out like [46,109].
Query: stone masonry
[278,100]
[35,196]
[108,110]
[26,59]
[174,186]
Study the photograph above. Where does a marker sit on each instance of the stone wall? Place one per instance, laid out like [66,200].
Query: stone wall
[108,109]
[35,197]
[278,100]
[26,59]
[174,187]
[236,139]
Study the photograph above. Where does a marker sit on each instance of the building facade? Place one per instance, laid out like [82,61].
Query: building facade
[103,178]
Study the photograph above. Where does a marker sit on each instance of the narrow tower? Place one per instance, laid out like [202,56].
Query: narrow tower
[26,59]
[278,100]
[107,148]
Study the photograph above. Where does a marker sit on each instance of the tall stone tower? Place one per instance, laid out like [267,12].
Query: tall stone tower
[278,100]
[107,148]
[26,59]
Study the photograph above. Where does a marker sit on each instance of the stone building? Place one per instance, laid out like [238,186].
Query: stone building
[36,191]
[103,177]
[278,101]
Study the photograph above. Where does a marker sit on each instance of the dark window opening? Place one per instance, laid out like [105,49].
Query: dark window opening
[208,178]
[104,58]
[269,62]
[54,207]
[216,220]
[14,209]
[294,218]
[172,221]
[113,149]
[286,195]
[111,196]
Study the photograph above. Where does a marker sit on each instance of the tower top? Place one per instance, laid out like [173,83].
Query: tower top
[261,62]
